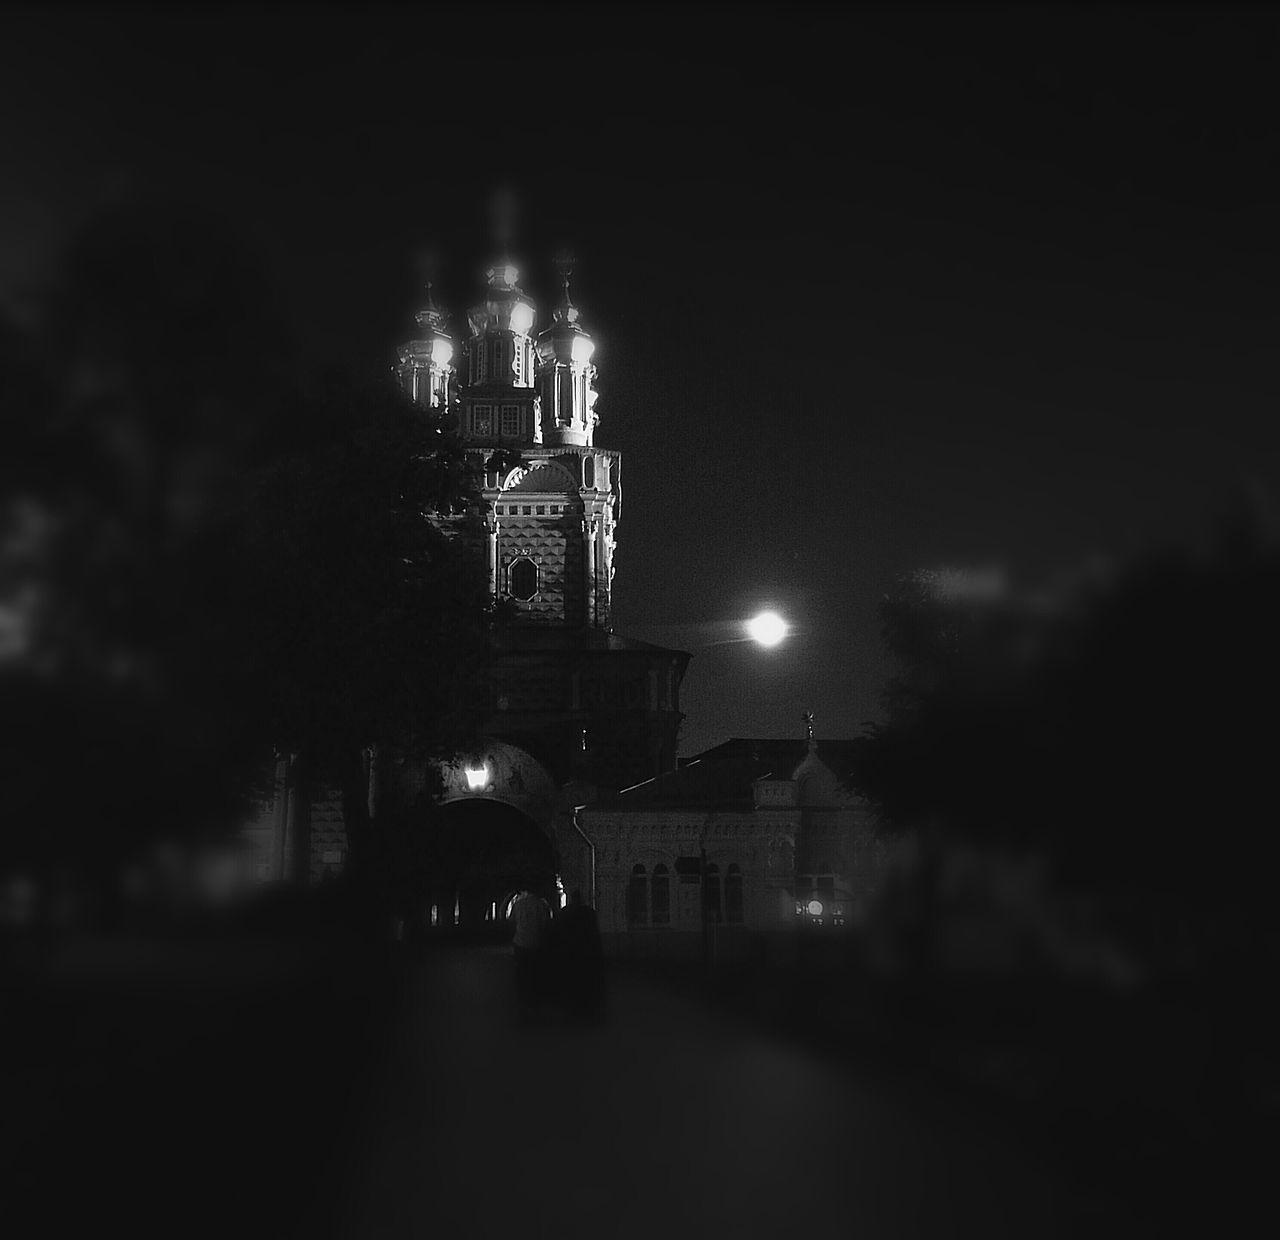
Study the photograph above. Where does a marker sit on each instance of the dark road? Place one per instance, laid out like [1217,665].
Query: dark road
[672,1118]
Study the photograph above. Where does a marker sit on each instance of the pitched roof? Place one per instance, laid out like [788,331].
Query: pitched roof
[722,777]
[557,638]
[781,755]
[722,784]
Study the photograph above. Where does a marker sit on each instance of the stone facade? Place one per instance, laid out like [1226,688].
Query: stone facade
[727,855]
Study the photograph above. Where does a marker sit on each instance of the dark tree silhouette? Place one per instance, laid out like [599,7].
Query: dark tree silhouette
[1121,733]
[368,623]
[204,564]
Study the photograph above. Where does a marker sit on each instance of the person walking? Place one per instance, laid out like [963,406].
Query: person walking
[530,915]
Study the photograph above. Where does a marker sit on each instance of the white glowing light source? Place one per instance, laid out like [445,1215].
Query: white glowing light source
[767,629]
[441,351]
[477,777]
[521,318]
[582,350]
[815,908]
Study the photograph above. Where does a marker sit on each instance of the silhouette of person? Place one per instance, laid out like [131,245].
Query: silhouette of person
[530,916]
[579,958]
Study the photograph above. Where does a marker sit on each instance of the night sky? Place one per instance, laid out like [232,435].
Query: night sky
[873,289]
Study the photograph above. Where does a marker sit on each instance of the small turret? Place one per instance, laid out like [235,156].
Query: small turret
[424,370]
[566,376]
[500,351]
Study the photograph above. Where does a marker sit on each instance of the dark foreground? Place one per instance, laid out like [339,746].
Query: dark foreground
[303,1085]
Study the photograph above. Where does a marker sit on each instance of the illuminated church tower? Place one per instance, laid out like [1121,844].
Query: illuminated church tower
[590,705]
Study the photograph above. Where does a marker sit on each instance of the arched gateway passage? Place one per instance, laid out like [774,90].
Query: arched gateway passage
[494,829]
[487,851]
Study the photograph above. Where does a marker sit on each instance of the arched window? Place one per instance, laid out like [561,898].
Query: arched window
[637,898]
[588,471]
[733,895]
[711,893]
[522,579]
[660,901]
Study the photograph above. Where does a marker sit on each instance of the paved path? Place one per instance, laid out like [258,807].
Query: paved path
[671,1120]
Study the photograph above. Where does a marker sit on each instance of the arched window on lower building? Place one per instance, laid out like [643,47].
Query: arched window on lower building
[637,898]
[660,896]
[733,896]
[711,894]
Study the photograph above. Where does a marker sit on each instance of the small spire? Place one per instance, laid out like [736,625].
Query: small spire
[566,310]
[428,264]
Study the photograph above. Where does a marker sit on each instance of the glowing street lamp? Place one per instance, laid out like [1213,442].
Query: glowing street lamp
[767,629]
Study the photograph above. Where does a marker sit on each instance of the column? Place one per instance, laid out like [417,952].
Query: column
[491,526]
[589,593]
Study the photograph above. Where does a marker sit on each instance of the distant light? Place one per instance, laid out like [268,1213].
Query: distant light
[521,315]
[583,348]
[441,351]
[815,908]
[477,778]
[767,629]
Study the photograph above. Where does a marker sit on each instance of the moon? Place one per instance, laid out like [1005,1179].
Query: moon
[767,629]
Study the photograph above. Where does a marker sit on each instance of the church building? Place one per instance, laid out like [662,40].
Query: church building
[576,784]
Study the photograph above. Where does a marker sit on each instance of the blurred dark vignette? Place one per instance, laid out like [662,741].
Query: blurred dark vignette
[1058,1018]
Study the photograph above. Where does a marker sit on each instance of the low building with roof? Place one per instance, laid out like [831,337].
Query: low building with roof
[733,851]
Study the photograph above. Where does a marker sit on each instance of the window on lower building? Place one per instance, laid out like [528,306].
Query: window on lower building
[482,420]
[733,895]
[660,891]
[637,898]
[511,420]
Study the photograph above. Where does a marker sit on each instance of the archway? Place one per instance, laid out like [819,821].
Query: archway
[487,850]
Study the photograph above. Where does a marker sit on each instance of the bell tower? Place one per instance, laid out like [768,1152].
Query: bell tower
[592,706]
[525,410]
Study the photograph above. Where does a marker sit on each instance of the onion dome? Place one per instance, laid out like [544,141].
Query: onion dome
[565,341]
[566,377]
[424,366]
[505,307]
